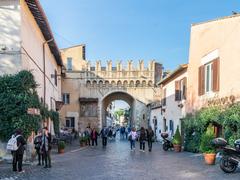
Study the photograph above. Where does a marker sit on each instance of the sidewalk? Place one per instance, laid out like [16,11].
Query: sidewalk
[6,172]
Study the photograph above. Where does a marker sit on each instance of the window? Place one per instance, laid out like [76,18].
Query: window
[69,64]
[55,77]
[208,77]
[66,98]
[70,122]
[171,127]
[164,100]
[180,89]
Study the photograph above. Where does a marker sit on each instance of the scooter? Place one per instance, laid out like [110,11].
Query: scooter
[167,144]
[230,156]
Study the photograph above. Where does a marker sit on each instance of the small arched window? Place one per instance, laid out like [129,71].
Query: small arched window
[88,83]
[131,84]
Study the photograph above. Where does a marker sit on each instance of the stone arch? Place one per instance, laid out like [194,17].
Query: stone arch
[117,95]
[131,84]
[119,83]
[144,83]
[138,84]
[150,83]
[125,83]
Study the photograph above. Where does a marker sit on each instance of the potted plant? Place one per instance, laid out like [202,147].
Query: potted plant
[177,141]
[61,147]
[206,146]
[82,141]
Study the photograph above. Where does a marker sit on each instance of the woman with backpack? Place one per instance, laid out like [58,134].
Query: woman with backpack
[18,154]
[150,135]
[132,138]
[142,139]
[37,143]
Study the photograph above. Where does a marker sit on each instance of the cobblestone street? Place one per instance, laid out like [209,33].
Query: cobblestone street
[118,162]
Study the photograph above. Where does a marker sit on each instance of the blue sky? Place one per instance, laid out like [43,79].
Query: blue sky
[132,29]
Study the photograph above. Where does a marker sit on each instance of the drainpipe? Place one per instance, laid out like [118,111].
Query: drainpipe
[44,72]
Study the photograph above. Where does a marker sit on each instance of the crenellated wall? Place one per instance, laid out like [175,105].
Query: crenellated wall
[119,76]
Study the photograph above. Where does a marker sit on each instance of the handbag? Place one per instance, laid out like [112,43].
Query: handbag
[130,137]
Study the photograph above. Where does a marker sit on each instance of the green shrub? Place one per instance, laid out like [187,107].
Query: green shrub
[206,145]
[61,145]
[83,139]
[17,94]
[177,140]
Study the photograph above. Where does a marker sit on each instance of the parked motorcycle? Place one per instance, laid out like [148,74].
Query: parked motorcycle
[230,156]
[167,144]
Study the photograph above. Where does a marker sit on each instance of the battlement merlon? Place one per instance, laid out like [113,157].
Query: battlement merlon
[120,66]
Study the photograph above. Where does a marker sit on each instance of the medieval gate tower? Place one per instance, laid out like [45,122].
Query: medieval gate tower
[88,90]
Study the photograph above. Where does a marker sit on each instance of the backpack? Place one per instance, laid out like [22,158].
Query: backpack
[12,143]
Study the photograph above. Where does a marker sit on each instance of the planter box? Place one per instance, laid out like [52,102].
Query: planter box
[60,151]
[209,158]
[177,147]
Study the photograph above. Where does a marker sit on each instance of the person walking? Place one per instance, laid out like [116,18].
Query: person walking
[142,139]
[18,154]
[126,132]
[104,135]
[94,137]
[87,133]
[132,138]
[150,136]
[46,147]
[37,143]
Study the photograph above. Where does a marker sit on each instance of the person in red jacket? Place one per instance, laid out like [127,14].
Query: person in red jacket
[94,136]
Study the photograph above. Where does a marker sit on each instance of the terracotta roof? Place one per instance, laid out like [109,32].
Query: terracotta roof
[173,74]
[41,19]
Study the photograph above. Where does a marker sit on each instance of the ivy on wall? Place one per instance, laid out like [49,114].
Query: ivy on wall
[194,125]
[17,94]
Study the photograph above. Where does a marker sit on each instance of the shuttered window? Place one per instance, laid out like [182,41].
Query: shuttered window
[208,77]
[164,97]
[184,88]
[177,91]
[201,78]
[181,89]
[215,78]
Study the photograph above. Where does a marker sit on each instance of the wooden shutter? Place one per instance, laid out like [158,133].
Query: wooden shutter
[164,97]
[201,80]
[184,88]
[177,91]
[215,68]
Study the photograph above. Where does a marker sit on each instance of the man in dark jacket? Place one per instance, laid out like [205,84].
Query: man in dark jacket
[46,147]
[104,134]
[150,135]
[37,143]
[18,154]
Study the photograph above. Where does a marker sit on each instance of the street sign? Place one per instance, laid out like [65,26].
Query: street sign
[33,111]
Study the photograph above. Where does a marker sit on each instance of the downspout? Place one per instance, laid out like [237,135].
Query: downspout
[44,72]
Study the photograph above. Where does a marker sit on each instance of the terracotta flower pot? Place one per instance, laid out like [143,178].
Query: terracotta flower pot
[209,158]
[60,151]
[177,147]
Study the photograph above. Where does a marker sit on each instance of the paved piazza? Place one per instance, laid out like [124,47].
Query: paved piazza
[118,162]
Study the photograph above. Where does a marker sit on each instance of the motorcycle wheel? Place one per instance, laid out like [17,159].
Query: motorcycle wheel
[165,147]
[227,166]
